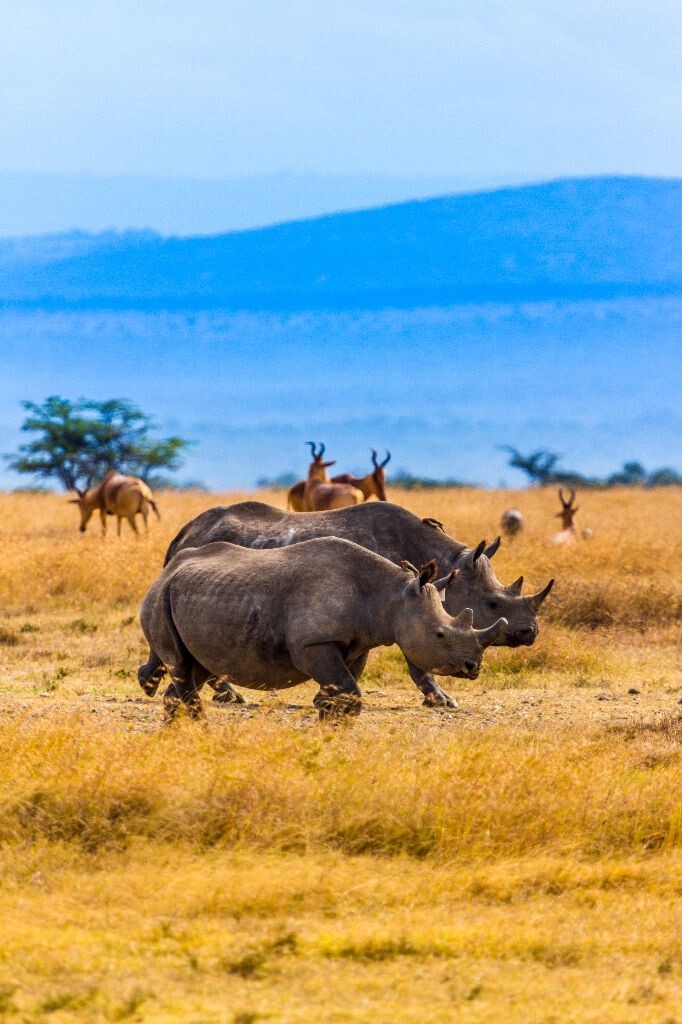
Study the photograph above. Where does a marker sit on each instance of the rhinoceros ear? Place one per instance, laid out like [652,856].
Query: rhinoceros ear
[443,582]
[424,576]
[492,548]
[472,556]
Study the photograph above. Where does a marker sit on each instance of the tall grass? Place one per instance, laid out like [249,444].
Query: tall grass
[405,868]
[372,787]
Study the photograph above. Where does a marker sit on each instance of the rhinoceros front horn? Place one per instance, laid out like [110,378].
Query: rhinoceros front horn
[537,599]
[489,636]
[465,619]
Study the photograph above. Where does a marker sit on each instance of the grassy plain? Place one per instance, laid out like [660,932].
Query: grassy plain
[518,860]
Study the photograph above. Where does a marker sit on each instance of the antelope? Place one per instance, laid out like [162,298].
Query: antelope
[320,494]
[373,484]
[511,522]
[569,533]
[116,495]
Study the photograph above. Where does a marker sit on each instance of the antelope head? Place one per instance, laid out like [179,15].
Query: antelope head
[379,475]
[568,509]
[317,470]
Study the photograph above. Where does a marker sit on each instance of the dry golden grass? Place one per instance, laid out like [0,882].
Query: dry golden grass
[516,861]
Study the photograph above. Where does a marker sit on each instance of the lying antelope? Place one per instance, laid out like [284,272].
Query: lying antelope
[320,494]
[371,485]
[511,522]
[116,495]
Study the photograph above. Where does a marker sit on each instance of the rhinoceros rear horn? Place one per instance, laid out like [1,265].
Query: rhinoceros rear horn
[492,548]
[465,619]
[537,599]
[489,636]
[516,586]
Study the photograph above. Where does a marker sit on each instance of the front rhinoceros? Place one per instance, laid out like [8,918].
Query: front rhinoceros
[270,619]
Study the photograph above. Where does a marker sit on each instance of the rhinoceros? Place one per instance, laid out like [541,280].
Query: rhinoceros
[388,530]
[270,619]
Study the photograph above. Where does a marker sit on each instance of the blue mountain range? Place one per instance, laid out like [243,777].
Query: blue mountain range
[542,316]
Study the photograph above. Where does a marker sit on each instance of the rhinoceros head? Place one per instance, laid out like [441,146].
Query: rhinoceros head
[475,586]
[431,638]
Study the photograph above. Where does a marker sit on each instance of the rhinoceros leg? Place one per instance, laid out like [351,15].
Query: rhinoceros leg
[151,673]
[224,694]
[357,667]
[434,696]
[339,692]
[184,692]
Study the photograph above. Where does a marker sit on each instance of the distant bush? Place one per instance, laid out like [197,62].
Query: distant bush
[275,483]
[541,468]
[406,480]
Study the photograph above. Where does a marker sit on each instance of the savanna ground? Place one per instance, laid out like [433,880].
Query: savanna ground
[517,860]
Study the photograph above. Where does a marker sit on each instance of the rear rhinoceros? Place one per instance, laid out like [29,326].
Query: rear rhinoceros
[268,620]
[388,530]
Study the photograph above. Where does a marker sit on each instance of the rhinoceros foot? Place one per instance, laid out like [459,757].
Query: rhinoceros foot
[440,700]
[224,694]
[337,705]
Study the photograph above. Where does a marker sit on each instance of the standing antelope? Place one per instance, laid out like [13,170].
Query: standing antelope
[569,533]
[371,485]
[320,494]
[116,495]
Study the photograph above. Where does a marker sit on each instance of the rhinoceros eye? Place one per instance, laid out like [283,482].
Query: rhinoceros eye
[493,605]
[440,633]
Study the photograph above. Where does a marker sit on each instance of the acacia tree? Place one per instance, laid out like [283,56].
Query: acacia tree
[77,442]
[539,465]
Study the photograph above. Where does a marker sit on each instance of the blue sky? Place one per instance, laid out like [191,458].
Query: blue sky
[201,88]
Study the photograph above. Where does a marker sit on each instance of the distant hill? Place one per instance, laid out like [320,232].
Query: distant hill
[578,238]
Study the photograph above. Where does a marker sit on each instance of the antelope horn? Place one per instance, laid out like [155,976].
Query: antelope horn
[443,582]
[515,587]
[492,548]
[489,636]
[537,599]
[465,619]
[322,450]
[387,459]
[374,459]
[312,448]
